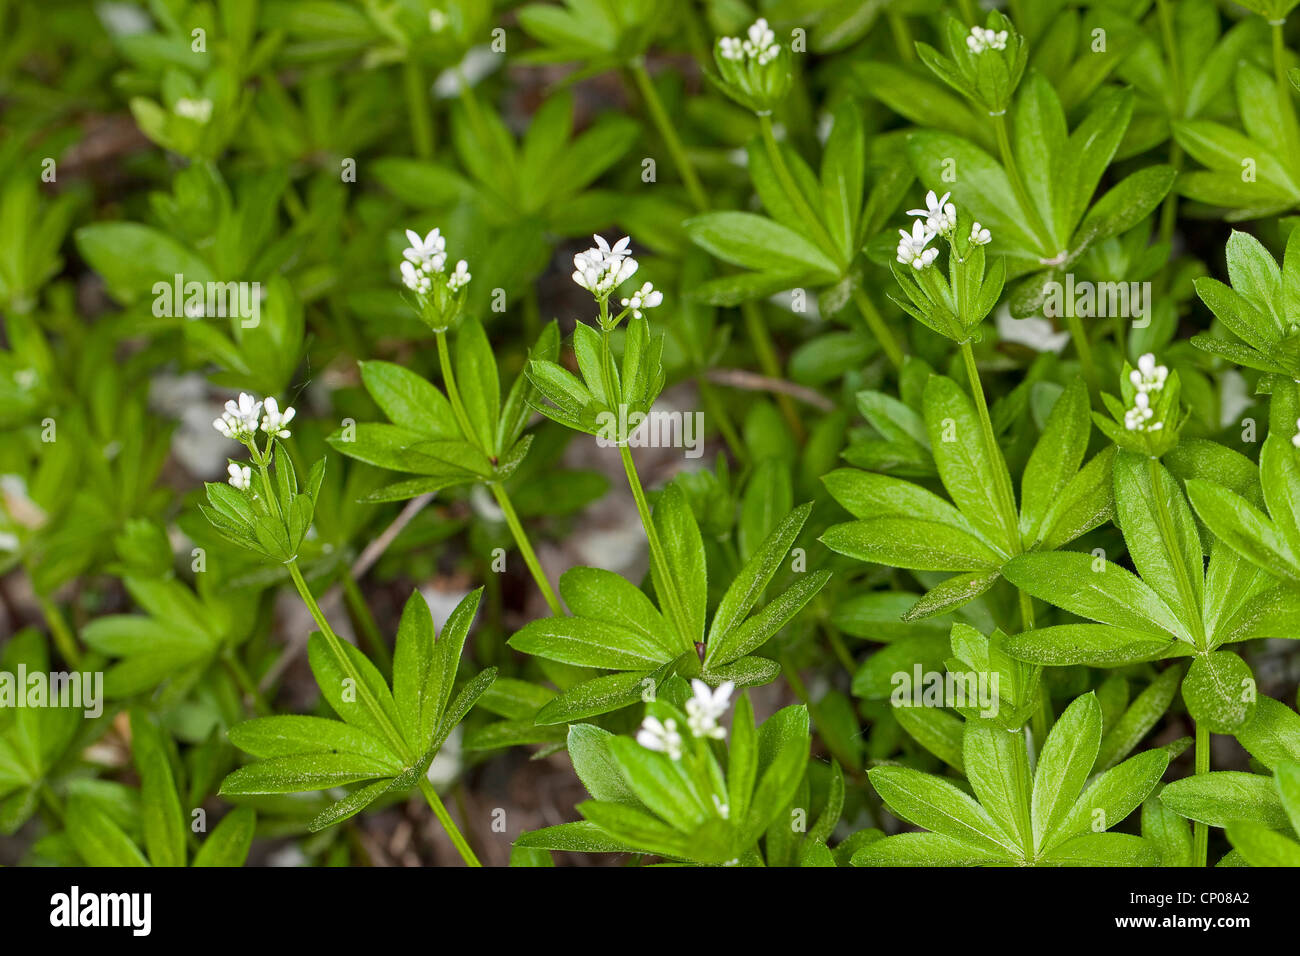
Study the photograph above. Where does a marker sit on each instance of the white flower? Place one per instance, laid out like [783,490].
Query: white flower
[759,44]
[1295,439]
[981,39]
[646,297]
[661,736]
[239,420]
[912,248]
[198,110]
[940,215]
[429,252]
[979,235]
[274,421]
[1137,417]
[460,277]
[706,707]
[437,21]
[241,476]
[1148,376]
[602,269]
[415,279]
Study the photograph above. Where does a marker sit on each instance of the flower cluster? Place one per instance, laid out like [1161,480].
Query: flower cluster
[1148,376]
[241,420]
[705,708]
[981,39]
[646,297]
[603,268]
[938,218]
[424,272]
[759,45]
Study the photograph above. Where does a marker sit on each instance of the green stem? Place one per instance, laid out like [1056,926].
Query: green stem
[1201,832]
[1083,346]
[877,326]
[1286,108]
[668,132]
[59,630]
[769,363]
[365,621]
[244,680]
[440,811]
[453,393]
[345,663]
[663,580]
[902,37]
[526,548]
[417,105]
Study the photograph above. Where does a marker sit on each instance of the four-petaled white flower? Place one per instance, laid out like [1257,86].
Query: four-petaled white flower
[1148,376]
[460,277]
[602,269]
[912,248]
[660,735]
[981,39]
[241,476]
[979,235]
[759,44]
[428,253]
[1136,419]
[239,420]
[706,707]
[646,297]
[940,215]
[274,421]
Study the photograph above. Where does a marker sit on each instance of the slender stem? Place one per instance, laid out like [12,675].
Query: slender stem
[453,393]
[1018,186]
[365,621]
[1201,832]
[1083,346]
[664,582]
[59,630]
[526,548]
[244,680]
[440,811]
[769,363]
[902,37]
[659,116]
[417,105]
[344,660]
[876,324]
[1285,107]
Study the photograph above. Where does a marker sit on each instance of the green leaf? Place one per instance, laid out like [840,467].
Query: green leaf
[1219,690]
[588,643]
[911,543]
[98,840]
[925,849]
[480,389]
[1056,457]
[304,772]
[1140,717]
[596,767]
[1098,645]
[1222,796]
[287,735]
[1064,765]
[756,242]
[1273,736]
[229,842]
[686,567]
[160,805]
[760,628]
[416,680]
[1112,796]
[1262,846]
[609,597]
[930,802]
[409,401]
[1103,849]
